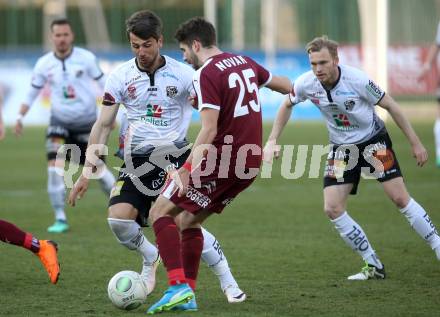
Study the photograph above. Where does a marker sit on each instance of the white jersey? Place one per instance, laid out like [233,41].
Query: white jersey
[72,94]
[348,107]
[158,106]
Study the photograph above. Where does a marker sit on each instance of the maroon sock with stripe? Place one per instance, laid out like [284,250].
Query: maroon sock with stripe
[168,243]
[11,234]
[192,246]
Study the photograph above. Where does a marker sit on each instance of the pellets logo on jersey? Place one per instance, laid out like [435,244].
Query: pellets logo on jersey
[171,91]
[69,92]
[341,120]
[131,91]
[154,111]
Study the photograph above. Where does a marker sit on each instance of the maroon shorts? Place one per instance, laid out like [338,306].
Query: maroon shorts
[213,194]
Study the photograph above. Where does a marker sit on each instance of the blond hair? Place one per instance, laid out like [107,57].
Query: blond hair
[318,43]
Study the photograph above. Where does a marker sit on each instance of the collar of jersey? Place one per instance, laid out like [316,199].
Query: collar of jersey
[148,73]
[65,57]
[336,82]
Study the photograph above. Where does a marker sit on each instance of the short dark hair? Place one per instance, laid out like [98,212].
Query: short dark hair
[318,43]
[196,28]
[144,24]
[60,21]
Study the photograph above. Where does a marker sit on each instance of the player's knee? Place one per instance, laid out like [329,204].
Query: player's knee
[122,230]
[401,201]
[332,210]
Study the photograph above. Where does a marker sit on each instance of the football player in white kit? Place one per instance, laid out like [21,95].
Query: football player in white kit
[156,91]
[432,56]
[69,71]
[359,143]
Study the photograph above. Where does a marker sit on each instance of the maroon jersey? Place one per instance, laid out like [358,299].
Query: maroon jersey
[229,83]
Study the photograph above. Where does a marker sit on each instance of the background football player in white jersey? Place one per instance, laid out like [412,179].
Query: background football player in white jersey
[346,97]
[69,71]
[156,92]
[432,56]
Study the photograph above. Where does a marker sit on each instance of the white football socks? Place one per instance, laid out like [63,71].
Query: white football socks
[422,224]
[56,191]
[129,233]
[356,238]
[213,256]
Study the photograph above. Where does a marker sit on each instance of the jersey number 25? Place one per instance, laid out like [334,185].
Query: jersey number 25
[251,87]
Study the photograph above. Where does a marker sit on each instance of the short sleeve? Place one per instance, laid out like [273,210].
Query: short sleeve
[263,75]
[94,70]
[372,93]
[112,90]
[38,78]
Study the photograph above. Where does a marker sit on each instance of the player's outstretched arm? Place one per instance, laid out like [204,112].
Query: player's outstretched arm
[419,151]
[272,149]
[97,141]
[280,84]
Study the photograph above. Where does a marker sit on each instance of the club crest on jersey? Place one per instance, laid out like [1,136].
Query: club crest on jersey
[79,73]
[349,104]
[131,91]
[171,91]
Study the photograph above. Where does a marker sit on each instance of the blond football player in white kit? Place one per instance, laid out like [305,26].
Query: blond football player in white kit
[70,72]
[359,141]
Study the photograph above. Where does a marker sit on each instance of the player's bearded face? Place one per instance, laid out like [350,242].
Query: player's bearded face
[147,52]
[190,56]
[324,66]
[62,38]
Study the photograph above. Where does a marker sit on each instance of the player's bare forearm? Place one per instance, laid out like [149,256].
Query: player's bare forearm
[209,118]
[100,133]
[283,116]
[280,84]
[400,119]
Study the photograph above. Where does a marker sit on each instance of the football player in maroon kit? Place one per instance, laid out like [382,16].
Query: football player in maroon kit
[225,158]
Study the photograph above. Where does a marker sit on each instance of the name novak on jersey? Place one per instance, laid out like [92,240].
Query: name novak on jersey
[348,107]
[158,106]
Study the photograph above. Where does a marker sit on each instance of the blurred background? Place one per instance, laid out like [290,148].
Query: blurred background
[387,38]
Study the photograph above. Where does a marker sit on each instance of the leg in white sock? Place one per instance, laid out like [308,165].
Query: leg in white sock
[353,234]
[422,224]
[129,234]
[214,257]
[56,191]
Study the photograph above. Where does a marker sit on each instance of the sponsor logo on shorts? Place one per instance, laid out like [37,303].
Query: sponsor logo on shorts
[116,190]
[197,197]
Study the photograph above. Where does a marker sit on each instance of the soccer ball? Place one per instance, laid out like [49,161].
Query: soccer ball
[126,290]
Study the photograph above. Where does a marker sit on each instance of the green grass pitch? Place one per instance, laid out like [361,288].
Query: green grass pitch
[282,248]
